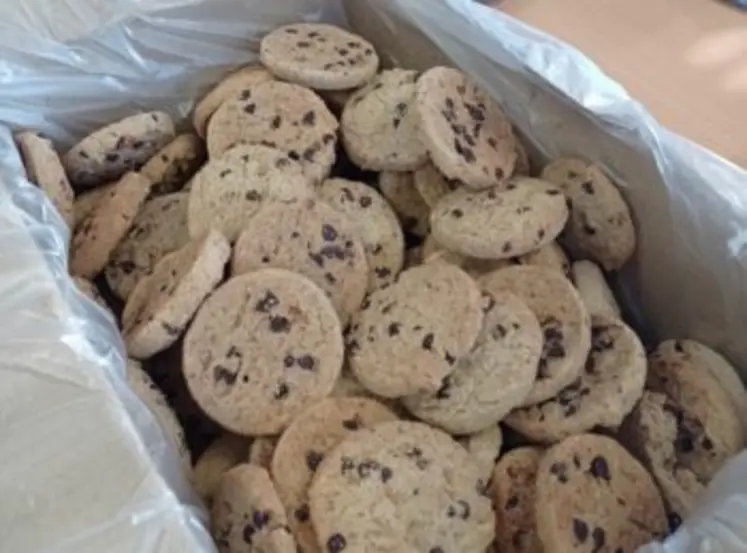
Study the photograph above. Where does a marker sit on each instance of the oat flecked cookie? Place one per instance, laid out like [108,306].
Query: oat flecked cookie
[247,516]
[45,169]
[565,323]
[467,135]
[319,56]
[98,234]
[380,125]
[280,115]
[592,495]
[408,337]
[108,153]
[261,349]
[303,446]
[175,164]
[313,239]
[377,225]
[163,302]
[400,486]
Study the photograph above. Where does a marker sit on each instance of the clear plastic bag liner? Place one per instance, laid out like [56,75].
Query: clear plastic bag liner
[85,466]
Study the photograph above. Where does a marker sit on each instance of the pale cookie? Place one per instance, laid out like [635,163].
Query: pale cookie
[401,486]
[685,379]
[247,516]
[565,323]
[99,233]
[432,185]
[222,455]
[142,384]
[465,131]
[376,225]
[229,190]
[303,446]
[494,377]
[89,290]
[514,496]
[607,390]
[594,290]
[158,229]
[484,448]
[522,168]
[600,226]
[280,115]
[661,435]
[163,302]
[380,125]
[85,203]
[175,164]
[408,337]
[44,168]
[108,153]
[262,348]
[231,85]
[592,495]
[400,190]
[500,223]
[312,239]
[319,56]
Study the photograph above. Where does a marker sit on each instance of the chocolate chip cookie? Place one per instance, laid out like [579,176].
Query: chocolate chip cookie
[175,164]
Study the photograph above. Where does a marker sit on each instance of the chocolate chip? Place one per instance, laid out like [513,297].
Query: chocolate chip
[261,519]
[443,391]
[507,247]
[353,424]
[707,444]
[449,103]
[474,112]
[365,201]
[382,272]
[245,95]
[587,187]
[313,458]
[281,391]
[327,138]
[302,514]
[169,329]
[294,155]
[450,359]
[250,108]
[512,502]
[330,278]
[580,530]
[464,151]
[499,331]
[221,373]
[268,302]
[111,157]
[276,122]
[289,361]
[265,259]
[303,44]
[306,362]
[393,329]
[278,323]
[559,470]
[329,234]
[598,537]
[248,533]
[428,341]
[553,192]
[386,474]
[493,143]
[291,31]
[457,213]
[317,258]
[336,543]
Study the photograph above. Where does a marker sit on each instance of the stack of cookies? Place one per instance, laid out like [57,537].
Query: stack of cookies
[349,284]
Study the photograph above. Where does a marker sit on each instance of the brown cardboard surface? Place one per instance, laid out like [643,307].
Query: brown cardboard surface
[686,60]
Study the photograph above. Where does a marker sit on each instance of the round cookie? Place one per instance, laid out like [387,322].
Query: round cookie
[717,431]
[380,125]
[607,390]
[400,486]
[280,115]
[163,302]
[310,238]
[108,153]
[661,435]
[432,185]
[593,495]
[229,190]
[565,323]
[319,56]
[247,516]
[142,384]
[467,135]
[600,226]
[175,164]
[159,228]
[594,290]
[262,348]
[522,168]
[85,203]
[500,223]
[484,448]
[222,455]
[100,232]
[514,496]
[494,377]
[400,190]
[302,448]
[44,168]
[376,224]
[231,85]
[408,337]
